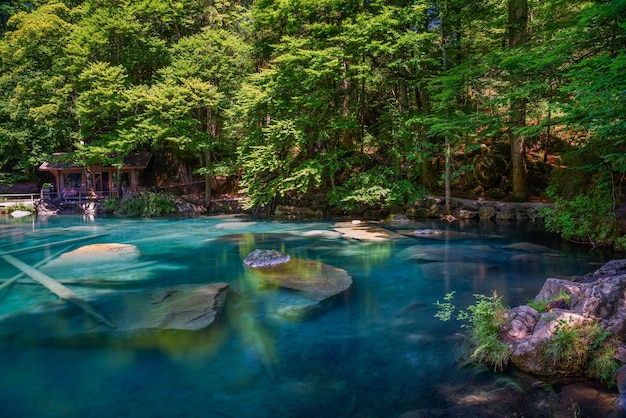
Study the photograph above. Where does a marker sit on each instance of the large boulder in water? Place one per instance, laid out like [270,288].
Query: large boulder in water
[182,307]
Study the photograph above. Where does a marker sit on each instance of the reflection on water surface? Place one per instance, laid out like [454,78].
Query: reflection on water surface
[375,351]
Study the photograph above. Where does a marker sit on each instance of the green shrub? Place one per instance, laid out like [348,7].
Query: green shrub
[378,186]
[146,204]
[110,204]
[18,206]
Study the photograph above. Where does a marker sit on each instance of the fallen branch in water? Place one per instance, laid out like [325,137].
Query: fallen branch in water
[57,288]
[12,280]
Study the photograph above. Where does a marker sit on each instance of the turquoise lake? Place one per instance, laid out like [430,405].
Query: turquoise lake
[376,351]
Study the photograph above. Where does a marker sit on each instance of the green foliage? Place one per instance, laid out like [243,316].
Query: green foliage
[603,366]
[17,206]
[380,186]
[110,204]
[585,201]
[360,98]
[145,204]
[445,309]
[567,348]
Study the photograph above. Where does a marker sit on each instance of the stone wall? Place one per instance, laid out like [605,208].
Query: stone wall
[315,206]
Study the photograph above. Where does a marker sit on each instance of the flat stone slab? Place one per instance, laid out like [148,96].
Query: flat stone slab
[104,253]
[366,232]
[182,307]
[108,262]
[320,233]
[20,213]
[316,280]
[530,247]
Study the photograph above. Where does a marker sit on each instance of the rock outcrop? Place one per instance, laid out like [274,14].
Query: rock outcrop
[599,297]
[47,207]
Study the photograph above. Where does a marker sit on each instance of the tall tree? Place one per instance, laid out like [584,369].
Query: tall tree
[36,87]
[518,37]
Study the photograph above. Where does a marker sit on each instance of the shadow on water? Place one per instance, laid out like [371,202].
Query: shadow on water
[375,350]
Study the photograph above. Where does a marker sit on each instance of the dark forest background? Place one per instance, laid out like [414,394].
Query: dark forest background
[370,102]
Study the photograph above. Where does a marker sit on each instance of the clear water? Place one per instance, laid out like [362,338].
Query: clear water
[377,351]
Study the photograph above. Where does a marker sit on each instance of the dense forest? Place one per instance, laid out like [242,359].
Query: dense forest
[371,101]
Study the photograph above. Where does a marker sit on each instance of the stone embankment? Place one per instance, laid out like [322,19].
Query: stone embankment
[316,207]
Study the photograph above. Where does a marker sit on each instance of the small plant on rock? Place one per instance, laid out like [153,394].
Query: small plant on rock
[561,300]
[483,321]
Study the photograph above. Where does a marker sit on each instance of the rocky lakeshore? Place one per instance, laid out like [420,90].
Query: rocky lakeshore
[549,386]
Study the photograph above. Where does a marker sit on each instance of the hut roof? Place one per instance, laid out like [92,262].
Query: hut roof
[132,161]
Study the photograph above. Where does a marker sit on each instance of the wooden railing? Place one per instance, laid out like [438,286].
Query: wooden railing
[78,196]
[28,199]
[14,199]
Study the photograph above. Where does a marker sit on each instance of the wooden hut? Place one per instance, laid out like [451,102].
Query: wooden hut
[71,180]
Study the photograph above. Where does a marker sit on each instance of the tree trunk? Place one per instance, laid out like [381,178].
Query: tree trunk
[518,34]
[207,180]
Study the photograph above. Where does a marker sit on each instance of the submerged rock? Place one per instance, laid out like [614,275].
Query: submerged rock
[102,253]
[183,307]
[98,262]
[316,280]
[366,232]
[530,247]
[313,281]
